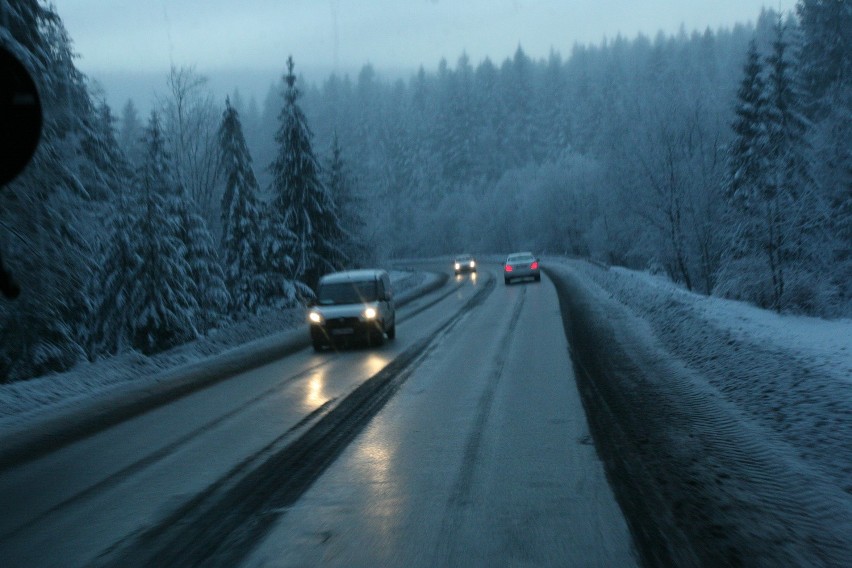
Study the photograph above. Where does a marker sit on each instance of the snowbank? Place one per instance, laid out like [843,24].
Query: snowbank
[791,374]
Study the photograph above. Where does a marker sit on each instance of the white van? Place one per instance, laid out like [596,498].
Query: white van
[356,305]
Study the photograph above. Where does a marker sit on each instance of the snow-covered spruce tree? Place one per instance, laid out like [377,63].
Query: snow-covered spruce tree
[241,228]
[177,288]
[115,278]
[161,303]
[205,269]
[796,215]
[301,203]
[340,185]
[130,133]
[42,244]
[115,265]
[197,246]
[827,43]
[740,276]
[745,159]
[776,258]
[104,168]
[277,288]
[826,70]
[42,330]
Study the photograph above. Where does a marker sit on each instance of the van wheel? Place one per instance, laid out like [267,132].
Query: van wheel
[392,331]
[318,346]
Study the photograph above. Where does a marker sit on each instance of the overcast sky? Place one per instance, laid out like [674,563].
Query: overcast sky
[116,37]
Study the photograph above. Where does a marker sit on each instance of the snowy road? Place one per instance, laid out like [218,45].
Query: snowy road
[477,437]
[483,458]
[468,444]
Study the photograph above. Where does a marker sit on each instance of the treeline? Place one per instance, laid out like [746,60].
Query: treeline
[721,158]
[631,152]
[145,236]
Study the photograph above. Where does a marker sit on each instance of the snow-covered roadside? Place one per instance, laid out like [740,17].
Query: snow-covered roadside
[792,374]
[22,400]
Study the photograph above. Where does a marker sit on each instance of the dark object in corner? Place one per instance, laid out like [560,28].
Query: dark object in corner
[20,131]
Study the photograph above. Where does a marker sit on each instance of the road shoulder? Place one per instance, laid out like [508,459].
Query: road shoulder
[700,482]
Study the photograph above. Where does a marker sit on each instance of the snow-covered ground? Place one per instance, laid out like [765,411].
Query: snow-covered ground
[789,373]
[22,400]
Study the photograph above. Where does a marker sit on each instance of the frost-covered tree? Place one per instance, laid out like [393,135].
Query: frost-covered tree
[119,266]
[742,274]
[778,255]
[161,305]
[163,283]
[115,264]
[826,45]
[41,236]
[241,219]
[342,189]
[130,133]
[202,259]
[826,69]
[745,154]
[301,202]
[796,244]
[105,168]
[43,329]
[189,121]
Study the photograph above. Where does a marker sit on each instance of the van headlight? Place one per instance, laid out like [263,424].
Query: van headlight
[370,313]
[457,266]
[315,317]
[472,263]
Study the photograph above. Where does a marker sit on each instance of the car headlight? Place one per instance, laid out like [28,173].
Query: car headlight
[315,317]
[457,265]
[370,313]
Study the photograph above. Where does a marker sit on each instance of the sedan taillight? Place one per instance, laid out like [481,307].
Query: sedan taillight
[534,265]
[508,268]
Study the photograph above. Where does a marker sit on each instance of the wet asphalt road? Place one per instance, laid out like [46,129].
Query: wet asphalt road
[483,458]
[468,447]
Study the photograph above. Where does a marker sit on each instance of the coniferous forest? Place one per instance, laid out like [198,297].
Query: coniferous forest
[719,158]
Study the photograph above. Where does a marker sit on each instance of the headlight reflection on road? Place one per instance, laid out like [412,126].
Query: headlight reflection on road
[387,503]
[316,385]
[377,459]
[315,395]
[375,363]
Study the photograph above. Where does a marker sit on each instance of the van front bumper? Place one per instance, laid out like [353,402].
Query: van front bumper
[343,330]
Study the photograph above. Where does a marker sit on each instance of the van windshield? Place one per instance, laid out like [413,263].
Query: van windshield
[347,293]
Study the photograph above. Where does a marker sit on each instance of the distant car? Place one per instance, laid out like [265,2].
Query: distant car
[355,305]
[464,263]
[521,265]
